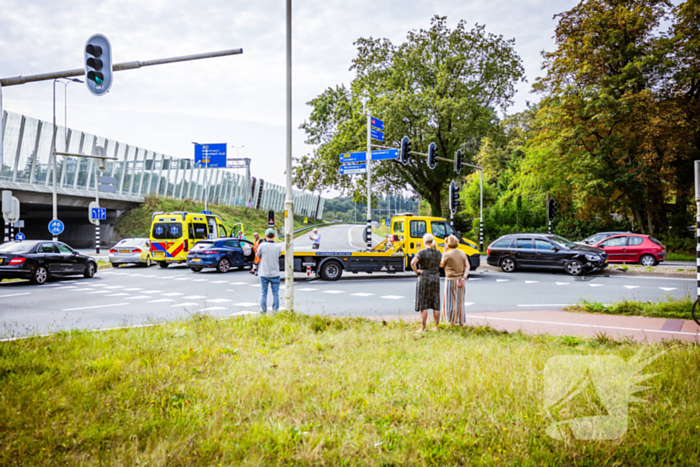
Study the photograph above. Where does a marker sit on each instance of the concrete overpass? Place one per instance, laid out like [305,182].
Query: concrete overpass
[26,169]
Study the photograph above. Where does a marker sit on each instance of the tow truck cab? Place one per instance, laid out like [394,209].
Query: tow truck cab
[411,229]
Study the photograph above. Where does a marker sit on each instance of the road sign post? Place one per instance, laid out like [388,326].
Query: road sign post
[697,236]
[19,237]
[10,213]
[209,155]
[369,174]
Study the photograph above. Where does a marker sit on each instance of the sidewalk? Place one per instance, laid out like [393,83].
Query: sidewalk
[637,328]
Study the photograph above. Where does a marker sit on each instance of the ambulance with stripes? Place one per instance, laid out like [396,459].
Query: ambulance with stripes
[173,234]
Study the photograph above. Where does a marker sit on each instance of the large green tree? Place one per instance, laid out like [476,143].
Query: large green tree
[440,85]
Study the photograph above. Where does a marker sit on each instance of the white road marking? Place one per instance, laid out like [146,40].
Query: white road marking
[502,280]
[531,282]
[183,279]
[200,280]
[217,300]
[95,306]
[212,308]
[97,291]
[564,304]
[309,289]
[474,279]
[115,287]
[468,303]
[247,304]
[54,285]
[239,283]
[186,304]
[219,282]
[140,296]
[245,312]
[583,325]
[631,286]
[667,289]
[162,300]
[255,285]
[334,291]
[194,297]
[15,294]
[392,297]
[562,283]
[97,285]
[596,285]
[173,294]
[361,294]
[81,290]
[152,291]
[133,289]
[122,294]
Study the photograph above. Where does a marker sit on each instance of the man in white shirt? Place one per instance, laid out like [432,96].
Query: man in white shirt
[315,239]
[269,270]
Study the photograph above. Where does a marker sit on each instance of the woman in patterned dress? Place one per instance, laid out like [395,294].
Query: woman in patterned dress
[426,264]
[456,266]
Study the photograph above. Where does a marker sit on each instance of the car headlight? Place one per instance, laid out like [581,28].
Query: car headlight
[593,257]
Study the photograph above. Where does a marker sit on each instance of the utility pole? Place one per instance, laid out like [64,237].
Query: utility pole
[289,202]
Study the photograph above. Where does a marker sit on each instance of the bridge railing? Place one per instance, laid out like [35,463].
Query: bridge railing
[138,172]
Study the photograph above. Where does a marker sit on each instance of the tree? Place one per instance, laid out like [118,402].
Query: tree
[440,85]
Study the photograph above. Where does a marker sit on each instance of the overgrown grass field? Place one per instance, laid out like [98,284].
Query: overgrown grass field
[292,389]
[671,308]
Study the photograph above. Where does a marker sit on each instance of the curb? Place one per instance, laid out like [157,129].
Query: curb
[612,272]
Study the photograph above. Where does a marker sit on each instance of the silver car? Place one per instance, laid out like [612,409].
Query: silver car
[131,251]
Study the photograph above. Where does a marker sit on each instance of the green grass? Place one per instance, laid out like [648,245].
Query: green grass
[290,389]
[137,221]
[672,308]
[680,257]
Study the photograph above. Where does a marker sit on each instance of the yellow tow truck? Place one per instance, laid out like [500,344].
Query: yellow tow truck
[392,255]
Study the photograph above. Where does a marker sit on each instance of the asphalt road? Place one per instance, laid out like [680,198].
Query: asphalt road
[130,296]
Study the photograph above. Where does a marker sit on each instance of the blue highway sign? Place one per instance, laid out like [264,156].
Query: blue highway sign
[378,124]
[99,214]
[19,236]
[350,169]
[56,227]
[376,134]
[212,155]
[385,154]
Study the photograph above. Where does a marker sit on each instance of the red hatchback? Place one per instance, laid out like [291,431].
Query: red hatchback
[633,248]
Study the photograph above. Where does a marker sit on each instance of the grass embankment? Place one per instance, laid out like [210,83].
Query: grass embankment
[137,222]
[680,257]
[292,389]
[670,309]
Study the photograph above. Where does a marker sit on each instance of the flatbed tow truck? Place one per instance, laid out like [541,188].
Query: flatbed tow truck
[391,256]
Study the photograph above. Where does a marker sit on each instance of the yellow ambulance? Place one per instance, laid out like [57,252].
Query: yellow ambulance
[174,233]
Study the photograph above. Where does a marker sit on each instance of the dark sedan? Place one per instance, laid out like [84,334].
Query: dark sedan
[222,254]
[514,251]
[40,260]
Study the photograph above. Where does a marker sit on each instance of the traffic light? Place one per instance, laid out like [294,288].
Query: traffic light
[454,198]
[405,150]
[458,161]
[432,155]
[98,65]
[551,209]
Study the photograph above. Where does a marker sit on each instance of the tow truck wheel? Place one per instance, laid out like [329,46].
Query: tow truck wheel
[331,271]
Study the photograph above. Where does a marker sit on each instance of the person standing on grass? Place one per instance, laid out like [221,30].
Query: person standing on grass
[315,238]
[268,256]
[426,264]
[457,267]
[256,244]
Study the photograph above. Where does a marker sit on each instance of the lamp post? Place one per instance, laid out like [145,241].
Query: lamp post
[53,145]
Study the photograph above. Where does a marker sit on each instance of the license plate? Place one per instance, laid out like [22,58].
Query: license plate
[1,260]
[196,260]
[159,254]
[124,251]
[606,260]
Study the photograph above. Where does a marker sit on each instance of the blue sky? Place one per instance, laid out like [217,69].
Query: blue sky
[240,99]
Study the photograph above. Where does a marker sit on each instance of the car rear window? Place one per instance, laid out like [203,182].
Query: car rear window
[17,247]
[128,245]
[202,246]
[167,230]
[502,243]
[656,241]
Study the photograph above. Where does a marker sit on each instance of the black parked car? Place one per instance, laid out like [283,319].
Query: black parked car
[514,251]
[39,260]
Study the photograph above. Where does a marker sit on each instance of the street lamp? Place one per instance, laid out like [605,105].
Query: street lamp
[53,142]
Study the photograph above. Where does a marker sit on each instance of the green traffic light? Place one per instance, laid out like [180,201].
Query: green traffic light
[98,80]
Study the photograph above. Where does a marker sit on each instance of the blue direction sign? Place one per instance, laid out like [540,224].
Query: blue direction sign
[350,169]
[378,124]
[212,155]
[376,134]
[386,154]
[19,236]
[56,227]
[99,214]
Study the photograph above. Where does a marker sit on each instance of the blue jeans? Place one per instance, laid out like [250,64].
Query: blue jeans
[275,283]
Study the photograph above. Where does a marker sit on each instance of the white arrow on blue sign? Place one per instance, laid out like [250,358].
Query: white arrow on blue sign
[379,124]
[99,214]
[19,236]
[378,135]
[56,227]
[350,169]
[385,154]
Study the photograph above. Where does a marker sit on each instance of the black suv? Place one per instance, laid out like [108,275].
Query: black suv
[529,250]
